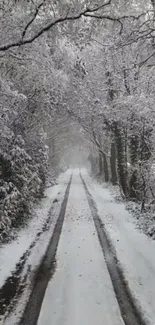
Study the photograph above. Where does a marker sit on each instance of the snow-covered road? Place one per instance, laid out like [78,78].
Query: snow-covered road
[104,270]
[81,291]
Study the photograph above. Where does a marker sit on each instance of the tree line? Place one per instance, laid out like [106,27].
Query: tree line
[71,65]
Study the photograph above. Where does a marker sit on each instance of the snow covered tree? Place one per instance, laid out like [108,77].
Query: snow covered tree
[70,66]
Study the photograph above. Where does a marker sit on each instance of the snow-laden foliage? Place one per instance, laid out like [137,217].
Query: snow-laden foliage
[77,79]
[22,166]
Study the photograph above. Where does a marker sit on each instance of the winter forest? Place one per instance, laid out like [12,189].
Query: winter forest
[76,86]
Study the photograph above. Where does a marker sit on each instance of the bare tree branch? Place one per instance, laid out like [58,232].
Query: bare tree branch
[87,12]
[142,63]
[32,20]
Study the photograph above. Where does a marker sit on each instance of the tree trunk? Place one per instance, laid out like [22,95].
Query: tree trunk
[92,162]
[134,156]
[121,160]
[105,166]
[100,164]
[113,163]
[133,191]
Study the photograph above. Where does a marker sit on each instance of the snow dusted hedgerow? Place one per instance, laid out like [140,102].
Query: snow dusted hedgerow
[21,183]
[22,169]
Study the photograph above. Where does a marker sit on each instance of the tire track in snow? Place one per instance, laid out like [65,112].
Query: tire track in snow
[14,285]
[130,314]
[45,270]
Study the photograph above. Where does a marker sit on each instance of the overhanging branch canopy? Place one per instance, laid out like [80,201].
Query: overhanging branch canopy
[87,12]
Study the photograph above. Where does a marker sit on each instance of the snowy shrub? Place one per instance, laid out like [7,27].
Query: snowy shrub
[22,176]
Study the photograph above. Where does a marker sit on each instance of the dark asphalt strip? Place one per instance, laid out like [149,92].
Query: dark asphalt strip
[130,313]
[45,270]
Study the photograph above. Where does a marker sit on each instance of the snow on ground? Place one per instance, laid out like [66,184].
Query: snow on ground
[80,291]
[145,221]
[59,192]
[135,251]
[11,253]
